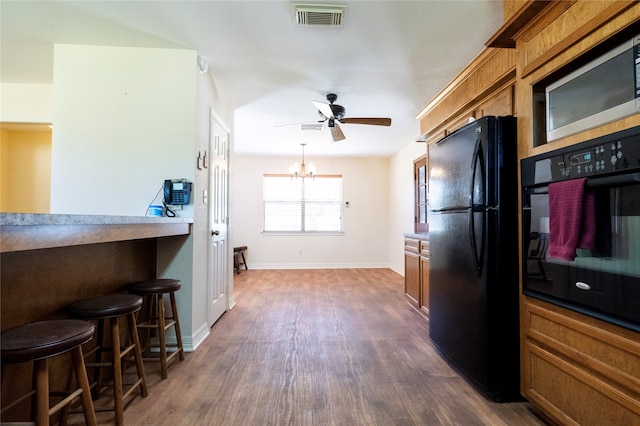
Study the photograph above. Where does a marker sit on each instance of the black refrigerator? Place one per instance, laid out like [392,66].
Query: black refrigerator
[473,238]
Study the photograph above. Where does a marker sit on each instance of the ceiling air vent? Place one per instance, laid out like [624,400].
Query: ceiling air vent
[319,15]
[311,126]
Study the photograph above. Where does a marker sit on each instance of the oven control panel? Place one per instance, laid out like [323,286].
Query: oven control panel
[615,153]
[604,157]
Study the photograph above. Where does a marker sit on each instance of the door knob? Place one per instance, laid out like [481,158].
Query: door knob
[215,232]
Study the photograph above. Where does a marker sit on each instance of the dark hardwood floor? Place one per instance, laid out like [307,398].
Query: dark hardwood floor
[317,347]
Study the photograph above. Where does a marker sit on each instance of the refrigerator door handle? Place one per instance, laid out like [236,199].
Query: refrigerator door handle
[478,159]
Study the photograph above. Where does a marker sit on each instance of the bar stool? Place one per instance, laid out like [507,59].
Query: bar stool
[238,252]
[107,310]
[157,320]
[37,343]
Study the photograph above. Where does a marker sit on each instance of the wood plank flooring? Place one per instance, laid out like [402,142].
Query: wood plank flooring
[317,347]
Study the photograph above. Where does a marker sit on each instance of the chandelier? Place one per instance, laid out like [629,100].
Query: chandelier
[302,170]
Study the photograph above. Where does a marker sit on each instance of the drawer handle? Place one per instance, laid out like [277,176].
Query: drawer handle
[583,286]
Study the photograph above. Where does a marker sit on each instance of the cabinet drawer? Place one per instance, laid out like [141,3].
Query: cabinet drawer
[578,369]
[424,248]
[412,245]
[613,356]
[571,396]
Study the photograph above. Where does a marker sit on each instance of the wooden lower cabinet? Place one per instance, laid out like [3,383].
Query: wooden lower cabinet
[579,370]
[412,271]
[424,277]
[416,274]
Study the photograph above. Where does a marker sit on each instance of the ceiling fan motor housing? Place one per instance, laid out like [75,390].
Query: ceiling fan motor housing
[338,111]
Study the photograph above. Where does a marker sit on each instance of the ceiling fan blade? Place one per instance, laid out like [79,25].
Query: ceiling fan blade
[372,121]
[336,133]
[325,109]
[304,125]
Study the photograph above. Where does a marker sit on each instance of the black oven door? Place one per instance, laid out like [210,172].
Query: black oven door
[603,282]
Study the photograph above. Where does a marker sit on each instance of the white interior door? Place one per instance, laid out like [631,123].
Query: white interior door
[218,217]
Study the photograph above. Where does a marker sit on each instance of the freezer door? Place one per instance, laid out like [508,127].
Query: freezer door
[458,305]
[452,163]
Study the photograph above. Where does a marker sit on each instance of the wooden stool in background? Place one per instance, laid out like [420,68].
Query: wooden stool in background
[37,342]
[107,310]
[157,320]
[238,253]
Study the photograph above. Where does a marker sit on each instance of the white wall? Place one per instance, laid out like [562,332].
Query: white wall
[401,201]
[364,243]
[26,103]
[124,120]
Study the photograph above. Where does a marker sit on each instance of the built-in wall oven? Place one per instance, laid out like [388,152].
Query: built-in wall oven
[581,227]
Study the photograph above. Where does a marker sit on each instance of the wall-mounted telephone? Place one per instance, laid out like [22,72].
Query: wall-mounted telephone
[177,192]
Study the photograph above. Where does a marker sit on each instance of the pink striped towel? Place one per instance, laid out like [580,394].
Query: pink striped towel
[572,221]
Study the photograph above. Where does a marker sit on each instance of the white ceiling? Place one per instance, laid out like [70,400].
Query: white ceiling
[387,60]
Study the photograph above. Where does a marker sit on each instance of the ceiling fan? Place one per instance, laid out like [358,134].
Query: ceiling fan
[333,114]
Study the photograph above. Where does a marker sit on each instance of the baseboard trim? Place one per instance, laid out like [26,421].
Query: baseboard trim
[318,266]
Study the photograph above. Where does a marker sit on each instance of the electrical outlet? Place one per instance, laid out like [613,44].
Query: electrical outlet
[299,251]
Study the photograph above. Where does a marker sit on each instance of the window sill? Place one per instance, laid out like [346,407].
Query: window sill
[303,233]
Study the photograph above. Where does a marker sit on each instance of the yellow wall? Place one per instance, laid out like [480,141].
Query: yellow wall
[25,174]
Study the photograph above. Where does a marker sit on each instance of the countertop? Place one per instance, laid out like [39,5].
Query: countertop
[424,236]
[19,232]
[12,219]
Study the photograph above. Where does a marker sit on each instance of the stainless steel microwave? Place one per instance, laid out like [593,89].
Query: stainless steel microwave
[604,90]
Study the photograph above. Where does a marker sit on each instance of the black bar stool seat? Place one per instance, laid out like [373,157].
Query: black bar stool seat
[107,310]
[158,321]
[37,342]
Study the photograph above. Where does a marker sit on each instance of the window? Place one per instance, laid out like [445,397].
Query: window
[302,205]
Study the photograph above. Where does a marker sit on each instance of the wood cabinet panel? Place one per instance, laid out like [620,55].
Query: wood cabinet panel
[424,278]
[567,25]
[500,104]
[568,359]
[416,265]
[412,271]
[490,71]
[570,396]
[412,277]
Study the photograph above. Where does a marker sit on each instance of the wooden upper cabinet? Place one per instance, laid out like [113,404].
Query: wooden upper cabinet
[484,87]
[560,38]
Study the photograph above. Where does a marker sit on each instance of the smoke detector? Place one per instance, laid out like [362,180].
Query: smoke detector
[318,15]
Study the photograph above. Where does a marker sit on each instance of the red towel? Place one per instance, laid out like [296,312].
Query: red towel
[572,221]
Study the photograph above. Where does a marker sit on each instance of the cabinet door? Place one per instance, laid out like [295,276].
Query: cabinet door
[499,104]
[424,278]
[412,275]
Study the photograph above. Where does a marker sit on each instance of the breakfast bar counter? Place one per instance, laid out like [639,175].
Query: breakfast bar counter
[49,261]
[20,231]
